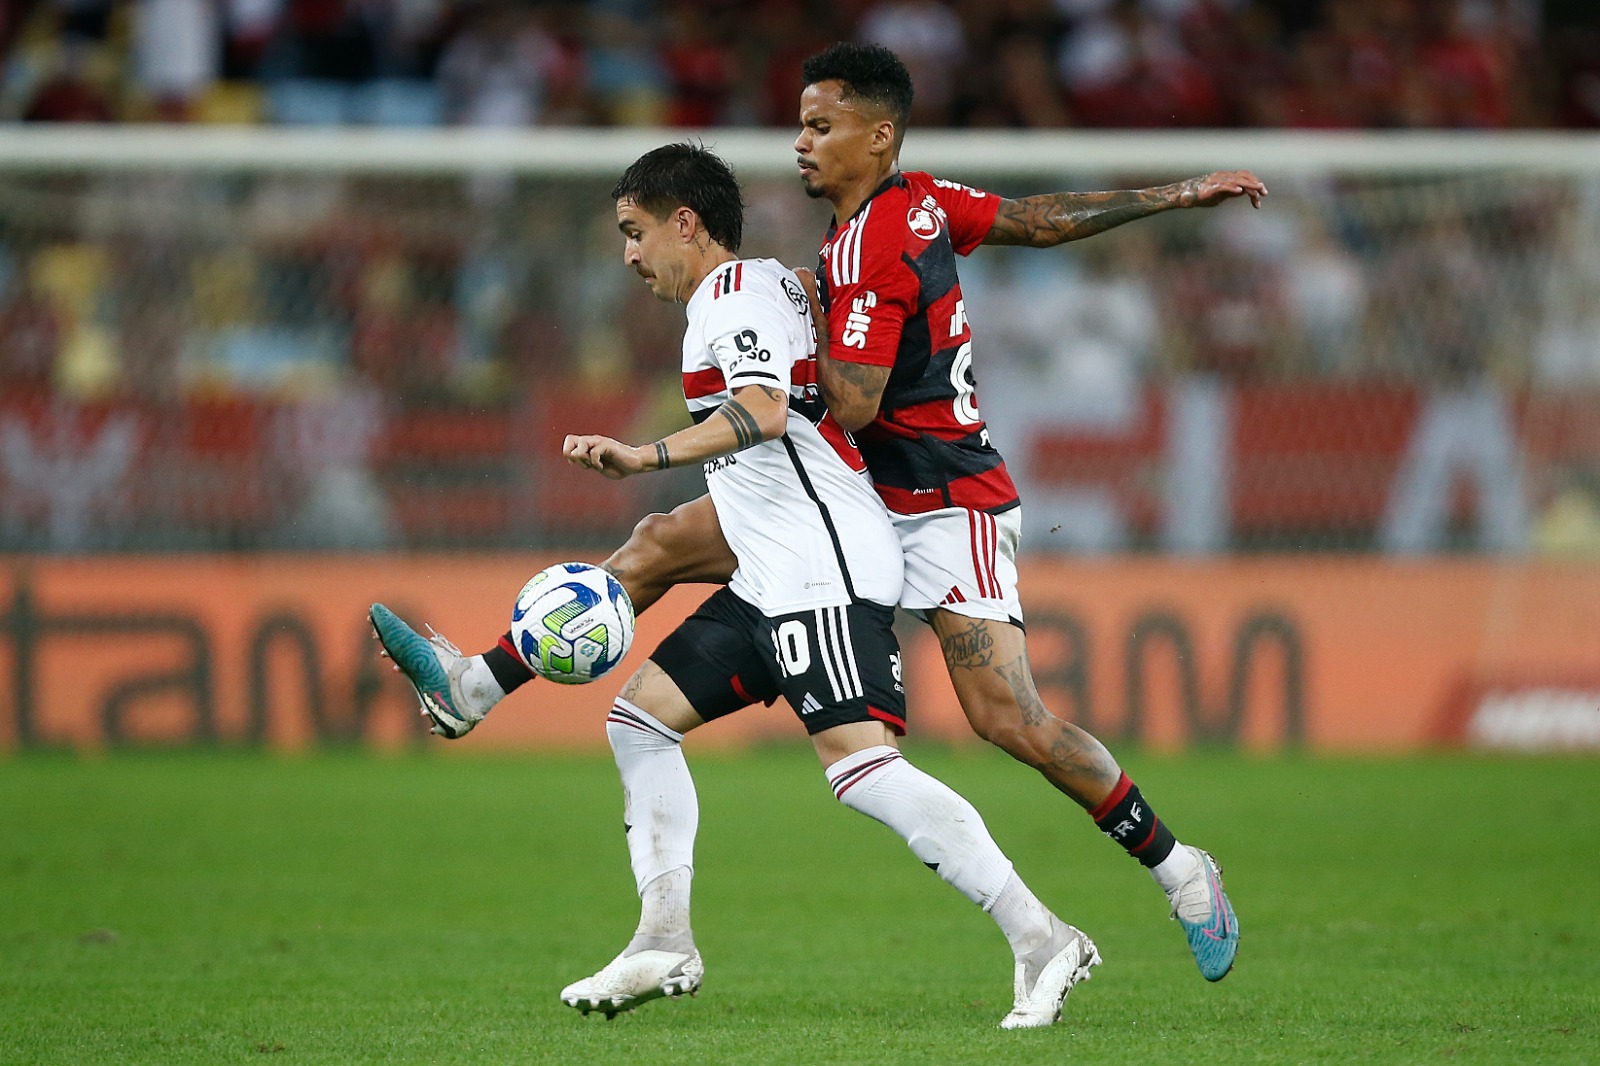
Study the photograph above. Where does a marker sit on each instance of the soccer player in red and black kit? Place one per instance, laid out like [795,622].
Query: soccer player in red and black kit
[899,370]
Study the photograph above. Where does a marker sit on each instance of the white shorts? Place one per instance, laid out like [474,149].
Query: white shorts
[962,561]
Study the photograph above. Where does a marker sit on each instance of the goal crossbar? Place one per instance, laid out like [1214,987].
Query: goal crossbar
[769,153]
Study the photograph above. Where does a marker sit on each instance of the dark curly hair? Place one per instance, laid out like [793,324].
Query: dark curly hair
[692,176]
[869,72]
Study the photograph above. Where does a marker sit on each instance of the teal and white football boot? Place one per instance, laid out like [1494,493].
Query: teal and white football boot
[434,667]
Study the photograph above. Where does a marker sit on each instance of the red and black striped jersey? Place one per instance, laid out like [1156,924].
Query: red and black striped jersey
[887,279]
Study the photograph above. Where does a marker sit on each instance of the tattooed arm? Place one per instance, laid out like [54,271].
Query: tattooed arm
[851,390]
[1055,218]
[754,413]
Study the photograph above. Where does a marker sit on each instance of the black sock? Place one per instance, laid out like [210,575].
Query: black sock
[510,671]
[1127,819]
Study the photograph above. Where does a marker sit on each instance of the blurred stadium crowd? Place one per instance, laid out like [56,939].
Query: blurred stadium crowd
[244,360]
[1316,64]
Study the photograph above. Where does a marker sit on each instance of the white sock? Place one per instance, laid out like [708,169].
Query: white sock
[1021,917]
[664,913]
[479,687]
[662,813]
[944,830]
[1175,869]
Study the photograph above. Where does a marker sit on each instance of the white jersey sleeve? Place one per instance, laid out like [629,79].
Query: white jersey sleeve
[752,341]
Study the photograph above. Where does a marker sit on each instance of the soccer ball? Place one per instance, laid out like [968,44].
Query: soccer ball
[572,623]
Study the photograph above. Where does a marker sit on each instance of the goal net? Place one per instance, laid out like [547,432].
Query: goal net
[278,339]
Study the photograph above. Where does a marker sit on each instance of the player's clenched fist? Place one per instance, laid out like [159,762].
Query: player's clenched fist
[611,457]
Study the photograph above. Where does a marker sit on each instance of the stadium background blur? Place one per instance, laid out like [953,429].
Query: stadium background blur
[285,362]
[1311,493]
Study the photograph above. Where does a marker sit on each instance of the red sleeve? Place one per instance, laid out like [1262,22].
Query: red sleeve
[969,213]
[871,290]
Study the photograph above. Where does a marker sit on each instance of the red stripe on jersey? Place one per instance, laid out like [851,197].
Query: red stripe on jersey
[729,281]
[990,491]
[804,372]
[835,435]
[698,384]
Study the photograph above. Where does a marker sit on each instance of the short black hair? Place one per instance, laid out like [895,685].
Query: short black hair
[687,175]
[869,72]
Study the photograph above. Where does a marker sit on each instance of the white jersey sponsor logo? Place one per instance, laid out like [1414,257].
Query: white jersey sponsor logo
[859,320]
[923,223]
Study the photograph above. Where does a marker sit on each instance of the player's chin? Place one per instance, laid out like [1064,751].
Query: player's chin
[811,184]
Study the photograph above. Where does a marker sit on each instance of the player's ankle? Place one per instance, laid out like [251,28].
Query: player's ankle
[681,942]
[1171,872]
[479,687]
[1028,925]
[507,672]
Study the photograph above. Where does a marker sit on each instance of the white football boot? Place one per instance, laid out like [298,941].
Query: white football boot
[1041,989]
[629,980]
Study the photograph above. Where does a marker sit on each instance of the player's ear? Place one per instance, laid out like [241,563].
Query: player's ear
[883,136]
[687,221]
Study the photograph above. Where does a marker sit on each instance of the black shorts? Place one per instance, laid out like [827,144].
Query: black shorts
[835,665]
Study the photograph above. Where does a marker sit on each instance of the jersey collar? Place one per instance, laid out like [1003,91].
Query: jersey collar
[893,181]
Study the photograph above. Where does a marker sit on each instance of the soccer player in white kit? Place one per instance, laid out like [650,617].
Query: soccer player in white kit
[900,367]
[807,615]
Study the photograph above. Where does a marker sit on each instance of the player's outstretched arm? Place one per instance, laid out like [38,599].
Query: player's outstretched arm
[754,413]
[1055,218]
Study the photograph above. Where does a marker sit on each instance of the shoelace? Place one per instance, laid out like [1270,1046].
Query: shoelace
[438,639]
[1207,867]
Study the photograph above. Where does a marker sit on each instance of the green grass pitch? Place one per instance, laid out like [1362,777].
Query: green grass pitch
[345,908]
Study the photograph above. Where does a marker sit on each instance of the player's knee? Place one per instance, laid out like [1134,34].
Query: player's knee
[683,545]
[651,538]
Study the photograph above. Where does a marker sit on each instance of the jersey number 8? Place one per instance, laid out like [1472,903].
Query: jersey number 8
[966,386]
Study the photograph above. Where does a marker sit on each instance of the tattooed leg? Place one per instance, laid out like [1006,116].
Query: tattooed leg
[988,664]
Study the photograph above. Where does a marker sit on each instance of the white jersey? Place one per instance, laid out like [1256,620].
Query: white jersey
[799,511]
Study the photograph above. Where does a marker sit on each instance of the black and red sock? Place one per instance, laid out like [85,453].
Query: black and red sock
[507,667]
[1126,818]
